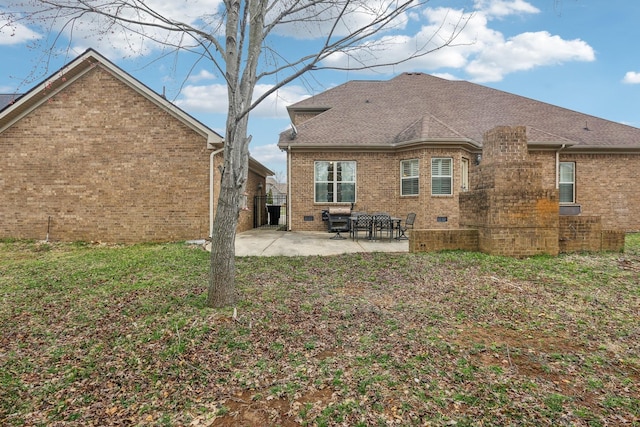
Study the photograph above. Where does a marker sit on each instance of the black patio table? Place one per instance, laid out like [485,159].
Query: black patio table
[373,225]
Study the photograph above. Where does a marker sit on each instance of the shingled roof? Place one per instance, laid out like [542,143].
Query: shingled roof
[6,99]
[417,107]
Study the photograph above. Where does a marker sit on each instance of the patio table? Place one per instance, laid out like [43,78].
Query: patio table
[371,233]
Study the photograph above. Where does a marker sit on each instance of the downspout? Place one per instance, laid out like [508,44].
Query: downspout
[558,165]
[289,187]
[211,176]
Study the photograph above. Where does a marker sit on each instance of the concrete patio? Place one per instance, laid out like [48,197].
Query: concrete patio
[297,243]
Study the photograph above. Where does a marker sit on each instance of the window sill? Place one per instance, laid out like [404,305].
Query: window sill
[570,209]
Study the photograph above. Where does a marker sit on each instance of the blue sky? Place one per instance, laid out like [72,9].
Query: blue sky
[578,54]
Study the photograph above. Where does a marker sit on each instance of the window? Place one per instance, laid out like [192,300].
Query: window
[441,176]
[567,182]
[335,182]
[464,175]
[409,173]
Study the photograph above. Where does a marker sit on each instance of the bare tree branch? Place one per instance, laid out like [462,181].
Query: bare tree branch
[236,40]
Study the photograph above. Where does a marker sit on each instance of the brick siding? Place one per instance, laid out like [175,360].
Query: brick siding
[606,186]
[378,187]
[104,164]
[585,234]
[438,240]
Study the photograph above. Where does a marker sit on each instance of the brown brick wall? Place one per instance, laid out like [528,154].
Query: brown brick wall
[378,187]
[105,164]
[505,144]
[438,240]
[514,211]
[586,234]
[613,240]
[606,186]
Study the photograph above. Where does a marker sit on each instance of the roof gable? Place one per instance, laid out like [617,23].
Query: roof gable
[18,107]
[417,106]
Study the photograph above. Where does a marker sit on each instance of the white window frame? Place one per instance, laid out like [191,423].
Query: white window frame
[565,181]
[437,175]
[334,181]
[411,173]
[464,174]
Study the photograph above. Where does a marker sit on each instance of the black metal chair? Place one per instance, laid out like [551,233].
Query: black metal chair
[362,223]
[408,224]
[382,224]
[354,214]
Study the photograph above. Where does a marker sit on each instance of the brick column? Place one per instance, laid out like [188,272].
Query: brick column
[514,214]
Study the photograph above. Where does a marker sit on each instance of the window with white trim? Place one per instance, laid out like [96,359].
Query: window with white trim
[441,176]
[567,182]
[409,177]
[464,174]
[335,182]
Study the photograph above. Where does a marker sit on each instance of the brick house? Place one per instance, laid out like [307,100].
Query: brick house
[92,154]
[415,144]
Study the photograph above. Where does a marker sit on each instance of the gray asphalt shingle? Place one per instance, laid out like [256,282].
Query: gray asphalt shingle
[420,106]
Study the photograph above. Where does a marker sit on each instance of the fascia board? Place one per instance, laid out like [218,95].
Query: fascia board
[439,143]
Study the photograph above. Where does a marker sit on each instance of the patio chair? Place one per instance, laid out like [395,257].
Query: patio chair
[362,223]
[408,224]
[382,223]
[354,214]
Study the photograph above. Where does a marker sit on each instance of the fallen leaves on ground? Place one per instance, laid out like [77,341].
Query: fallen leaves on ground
[120,336]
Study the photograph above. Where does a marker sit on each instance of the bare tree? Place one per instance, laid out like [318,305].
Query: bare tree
[236,39]
[280,177]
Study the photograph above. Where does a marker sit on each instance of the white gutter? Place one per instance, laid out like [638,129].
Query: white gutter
[211,176]
[558,165]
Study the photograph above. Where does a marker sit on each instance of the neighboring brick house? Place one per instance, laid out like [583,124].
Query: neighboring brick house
[276,188]
[92,154]
[414,144]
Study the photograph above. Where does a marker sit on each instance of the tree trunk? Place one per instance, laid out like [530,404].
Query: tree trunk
[222,272]
[222,290]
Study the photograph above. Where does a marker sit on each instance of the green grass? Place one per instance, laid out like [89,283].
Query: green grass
[105,335]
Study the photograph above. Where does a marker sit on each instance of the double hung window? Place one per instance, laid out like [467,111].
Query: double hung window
[335,182]
[409,177]
[567,182]
[441,176]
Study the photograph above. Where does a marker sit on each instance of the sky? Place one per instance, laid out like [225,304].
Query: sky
[577,54]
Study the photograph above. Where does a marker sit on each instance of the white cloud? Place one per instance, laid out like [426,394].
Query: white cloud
[442,23]
[524,52]
[323,15]
[115,40]
[268,154]
[446,76]
[14,33]
[213,99]
[202,75]
[482,52]
[502,8]
[208,98]
[631,77]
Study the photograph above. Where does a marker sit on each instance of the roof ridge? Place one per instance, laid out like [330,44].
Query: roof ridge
[417,106]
